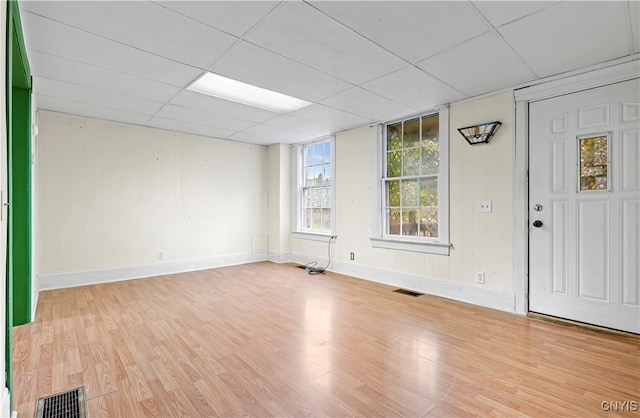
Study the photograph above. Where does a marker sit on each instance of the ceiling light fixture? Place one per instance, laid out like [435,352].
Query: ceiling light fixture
[239,92]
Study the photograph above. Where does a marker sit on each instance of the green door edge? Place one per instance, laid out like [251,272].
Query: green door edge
[18,97]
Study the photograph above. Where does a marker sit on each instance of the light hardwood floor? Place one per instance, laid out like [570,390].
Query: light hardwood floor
[269,340]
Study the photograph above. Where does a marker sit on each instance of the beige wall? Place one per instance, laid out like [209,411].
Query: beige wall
[481,242]
[114,195]
[279,178]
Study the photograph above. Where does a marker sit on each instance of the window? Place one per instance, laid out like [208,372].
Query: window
[316,187]
[413,186]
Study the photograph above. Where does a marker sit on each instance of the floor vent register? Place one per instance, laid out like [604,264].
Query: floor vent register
[68,404]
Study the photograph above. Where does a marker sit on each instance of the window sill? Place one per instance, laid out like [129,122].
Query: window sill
[411,245]
[313,236]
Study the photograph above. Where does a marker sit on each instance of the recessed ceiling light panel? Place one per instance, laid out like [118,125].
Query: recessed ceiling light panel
[237,91]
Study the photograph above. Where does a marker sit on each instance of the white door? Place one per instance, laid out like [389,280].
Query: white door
[584,206]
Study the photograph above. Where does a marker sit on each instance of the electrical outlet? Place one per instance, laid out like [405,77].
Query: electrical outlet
[160,255]
[352,256]
[480,277]
[485,206]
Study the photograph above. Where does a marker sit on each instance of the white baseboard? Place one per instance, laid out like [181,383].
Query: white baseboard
[278,257]
[5,404]
[82,278]
[458,291]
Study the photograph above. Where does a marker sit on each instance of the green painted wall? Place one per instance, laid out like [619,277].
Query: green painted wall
[20,204]
[18,88]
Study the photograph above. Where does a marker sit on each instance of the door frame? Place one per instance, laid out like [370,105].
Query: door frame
[612,72]
[18,168]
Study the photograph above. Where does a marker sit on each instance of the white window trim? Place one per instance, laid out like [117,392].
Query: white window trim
[298,231]
[378,239]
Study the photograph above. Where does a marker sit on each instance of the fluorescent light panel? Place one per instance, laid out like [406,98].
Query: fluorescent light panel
[237,91]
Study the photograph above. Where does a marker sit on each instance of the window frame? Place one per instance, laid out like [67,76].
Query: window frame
[379,238]
[300,231]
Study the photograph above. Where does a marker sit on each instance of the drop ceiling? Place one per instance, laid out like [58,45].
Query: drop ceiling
[358,62]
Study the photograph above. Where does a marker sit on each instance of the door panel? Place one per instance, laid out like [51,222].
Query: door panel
[584,185]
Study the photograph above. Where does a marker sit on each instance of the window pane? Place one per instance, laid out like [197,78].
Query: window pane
[313,198]
[325,196]
[317,154]
[326,219]
[411,162]
[411,182]
[410,193]
[429,222]
[594,163]
[394,135]
[309,180]
[394,164]
[307,218]
[316,219]
[430,128]
[308,155]
[411,137]
[410,222]
[327,152]
[318,175]
[429,192]
[429,158]
[393,221]
[327,174]
[393,193]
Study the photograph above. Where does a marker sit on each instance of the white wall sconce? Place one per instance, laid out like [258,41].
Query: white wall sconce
[481,133]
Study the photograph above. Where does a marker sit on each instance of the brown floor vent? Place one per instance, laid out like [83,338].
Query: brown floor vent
[408,292]
[69,404]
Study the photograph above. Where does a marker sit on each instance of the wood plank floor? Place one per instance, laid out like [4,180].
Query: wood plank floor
[269,340]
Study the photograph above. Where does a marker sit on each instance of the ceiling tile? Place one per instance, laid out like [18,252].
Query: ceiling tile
[300,32]
[234,17]
[350,58]
[90,95]
[57,68]
[143,25]
[501,12]
[470,69]
[89,110]
[45,35]
[187,127]
[205,103]
[306,128]
[569,36]
[277,134]
[366,104]
[203,118]
[333,119]
[414,88]
[252,139]
[255,65]
[416,32]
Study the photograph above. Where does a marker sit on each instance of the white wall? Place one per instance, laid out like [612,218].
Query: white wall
[481,242]
[111,197]
[34,211]
[279,179]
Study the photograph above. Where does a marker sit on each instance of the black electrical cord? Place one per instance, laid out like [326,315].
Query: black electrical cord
[311,267]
